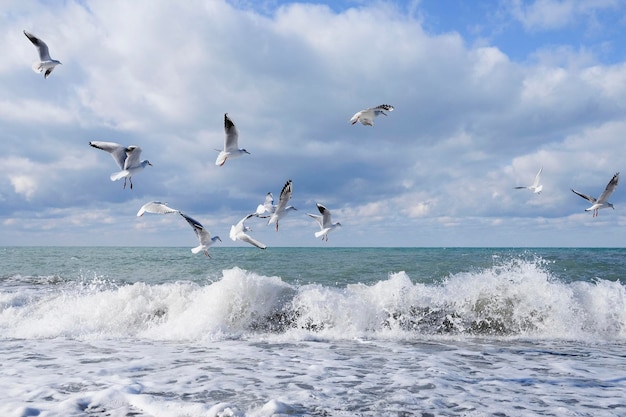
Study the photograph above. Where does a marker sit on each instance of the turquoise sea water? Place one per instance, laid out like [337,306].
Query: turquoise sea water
[312,331]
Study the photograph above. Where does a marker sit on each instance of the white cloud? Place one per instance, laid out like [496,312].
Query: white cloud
[470,122]
[557,14]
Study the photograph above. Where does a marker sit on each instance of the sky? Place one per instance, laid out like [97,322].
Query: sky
[485,94]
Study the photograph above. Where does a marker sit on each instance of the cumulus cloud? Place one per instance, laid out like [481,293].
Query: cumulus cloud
[470,121]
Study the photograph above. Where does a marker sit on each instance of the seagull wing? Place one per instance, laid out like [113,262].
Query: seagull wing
[155,207]
[203,235]
[44,54]
[378,110]
[232,135]
[267,206]
[325,216]
[319,219]
[610,187]
[237,229]
[585,196]
[237,233]
[133,154]
[117,151]
[537,178]
[285,196]
[249,239]
[269,202]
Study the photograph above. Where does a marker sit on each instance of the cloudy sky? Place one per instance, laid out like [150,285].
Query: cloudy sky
[485,94]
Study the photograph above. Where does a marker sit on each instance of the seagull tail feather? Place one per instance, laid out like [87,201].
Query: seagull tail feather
[119,175]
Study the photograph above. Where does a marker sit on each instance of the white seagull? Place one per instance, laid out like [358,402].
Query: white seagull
[45,64]
[231,146]
[324,221]
[602,201]
[534,187]
[267,207]
[366,117]
[127,158]
[238,232]
[282,208]
[204,237]
[155,207]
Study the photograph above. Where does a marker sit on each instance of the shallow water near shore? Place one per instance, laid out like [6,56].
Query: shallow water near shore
[320,332]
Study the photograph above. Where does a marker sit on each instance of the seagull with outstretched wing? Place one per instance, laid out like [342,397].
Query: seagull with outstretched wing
[231,143]
[127,158]
[204,237]
[45,63]
[238,232]
[367,116]
[602,201]
[155,207]
[535,187]
[282,208]
[324,221]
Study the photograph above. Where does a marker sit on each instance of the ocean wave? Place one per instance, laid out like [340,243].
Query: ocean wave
[514,298]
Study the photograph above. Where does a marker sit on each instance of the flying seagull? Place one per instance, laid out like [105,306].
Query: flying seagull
[267,207]
[238,232]
[127,158]
[231,146]
[367,116]
[282,208]
[45,64]
[534,187]
[204,237]
[602,201]
[155,207]
[324,221]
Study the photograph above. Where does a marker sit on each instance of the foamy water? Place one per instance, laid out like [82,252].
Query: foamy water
[508,339]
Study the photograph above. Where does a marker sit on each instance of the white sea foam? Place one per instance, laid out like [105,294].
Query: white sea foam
[517,299]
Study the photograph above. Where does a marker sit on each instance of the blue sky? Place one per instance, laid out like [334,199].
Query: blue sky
[485,93]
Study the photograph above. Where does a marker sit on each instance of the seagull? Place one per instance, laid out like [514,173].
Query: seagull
[155,207]
[324,221]
[127,158]
[282,208]
[535,187]
[45,63]
[231,148]
[367,116]
[203,235]
[267,206]
[602,201]
[238,232]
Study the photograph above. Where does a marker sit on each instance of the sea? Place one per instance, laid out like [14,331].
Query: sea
[324,331]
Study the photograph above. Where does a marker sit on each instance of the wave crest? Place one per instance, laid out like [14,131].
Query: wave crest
[515,298]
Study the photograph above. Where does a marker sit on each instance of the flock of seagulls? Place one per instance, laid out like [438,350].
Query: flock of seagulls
[128,160]
[597,203]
